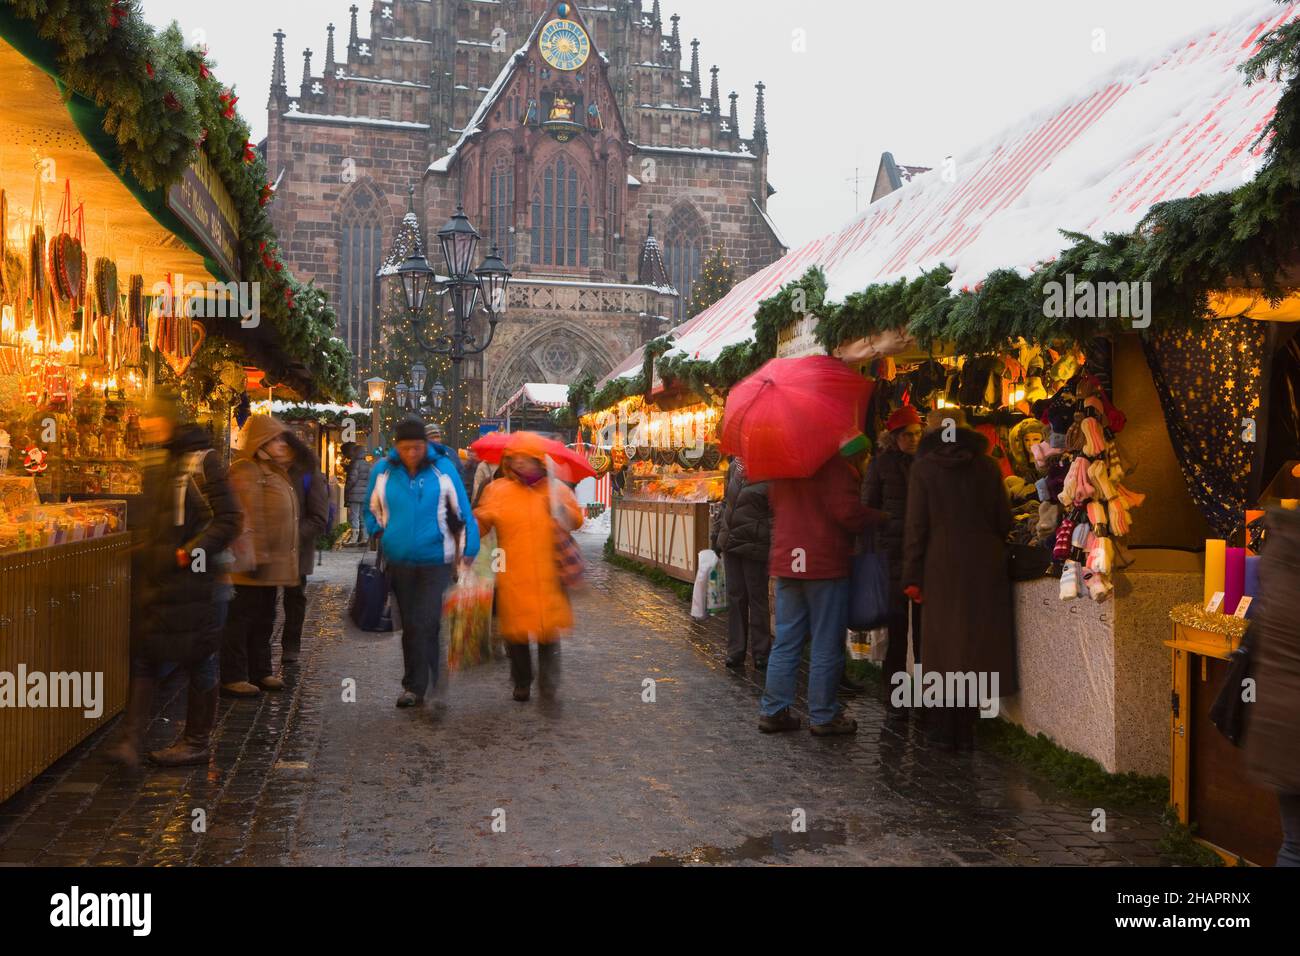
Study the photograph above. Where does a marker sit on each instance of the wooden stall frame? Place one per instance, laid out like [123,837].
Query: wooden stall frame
[63,608]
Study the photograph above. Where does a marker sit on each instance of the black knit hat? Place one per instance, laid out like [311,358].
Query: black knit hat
[409,429]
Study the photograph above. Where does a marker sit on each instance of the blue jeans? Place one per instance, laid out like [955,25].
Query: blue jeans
[804,607]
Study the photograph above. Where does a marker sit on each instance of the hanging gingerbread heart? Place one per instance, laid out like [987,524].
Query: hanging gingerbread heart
[180,363]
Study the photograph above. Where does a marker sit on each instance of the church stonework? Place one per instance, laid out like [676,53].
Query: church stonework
[581,140]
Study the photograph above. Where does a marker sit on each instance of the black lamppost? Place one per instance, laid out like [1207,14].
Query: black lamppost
[467,291]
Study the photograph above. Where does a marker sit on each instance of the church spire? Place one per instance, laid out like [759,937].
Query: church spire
[306,72]
[677,37]
[715,103]
[656,17]
[760,118]
[695,67]
[651,269]
[329,51]
[353,38]
[735,114]
[279,89]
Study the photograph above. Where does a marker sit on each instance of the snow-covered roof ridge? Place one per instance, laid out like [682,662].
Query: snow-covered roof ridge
[1178,123]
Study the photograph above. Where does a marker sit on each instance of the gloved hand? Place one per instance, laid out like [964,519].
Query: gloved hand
[914,593]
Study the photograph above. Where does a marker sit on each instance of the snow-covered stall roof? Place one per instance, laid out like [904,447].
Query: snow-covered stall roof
[537,393]
[1174,125]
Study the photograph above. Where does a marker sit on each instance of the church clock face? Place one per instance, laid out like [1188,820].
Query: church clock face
[564,45]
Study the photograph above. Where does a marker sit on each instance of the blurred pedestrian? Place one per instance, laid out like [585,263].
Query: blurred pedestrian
[955,564]
[885,489]
[186,520]
[313,522]
[814,521]
[354,491]
[527,510]
[416,496]
[261,478]
[1272,734]
[744,540]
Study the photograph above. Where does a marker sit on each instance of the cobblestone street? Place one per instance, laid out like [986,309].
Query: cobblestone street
[597,777]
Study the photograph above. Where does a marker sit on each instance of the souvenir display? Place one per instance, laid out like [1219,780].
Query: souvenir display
[25,526]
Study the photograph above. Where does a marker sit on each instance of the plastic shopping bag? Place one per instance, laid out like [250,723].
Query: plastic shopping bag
[716,597]
[708,560]
[467,618]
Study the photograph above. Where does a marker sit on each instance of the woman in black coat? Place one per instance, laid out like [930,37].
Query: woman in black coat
[885,489]
[1272,738]
[188,518]
[955,564]
[743,538]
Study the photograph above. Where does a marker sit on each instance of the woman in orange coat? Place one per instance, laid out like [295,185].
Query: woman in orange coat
[524,507]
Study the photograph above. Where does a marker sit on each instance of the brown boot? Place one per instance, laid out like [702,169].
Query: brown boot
[191,747]
[125,750]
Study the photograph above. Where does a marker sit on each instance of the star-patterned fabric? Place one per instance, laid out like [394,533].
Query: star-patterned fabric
[1209,379]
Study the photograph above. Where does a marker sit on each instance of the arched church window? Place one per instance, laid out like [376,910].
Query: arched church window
[360,256]
[683,254]
[501,206]
[561,209]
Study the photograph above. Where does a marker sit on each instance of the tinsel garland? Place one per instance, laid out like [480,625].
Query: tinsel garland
[1196,617]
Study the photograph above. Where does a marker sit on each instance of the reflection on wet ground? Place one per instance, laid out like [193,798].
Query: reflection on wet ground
[598,776]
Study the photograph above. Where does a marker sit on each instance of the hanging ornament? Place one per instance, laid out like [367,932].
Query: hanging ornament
[118,11]
[267,192]
[148,68]
[228,99]
[173,104]
[34,461]
[250,152]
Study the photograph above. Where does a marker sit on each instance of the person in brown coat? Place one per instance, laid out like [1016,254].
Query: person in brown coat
[1272,737]
[260,477]
[954,561]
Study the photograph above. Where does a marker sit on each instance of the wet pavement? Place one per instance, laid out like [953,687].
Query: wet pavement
[602,775]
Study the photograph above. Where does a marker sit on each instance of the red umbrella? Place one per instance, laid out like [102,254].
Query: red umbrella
[490,447]
[568,465]
[793,415]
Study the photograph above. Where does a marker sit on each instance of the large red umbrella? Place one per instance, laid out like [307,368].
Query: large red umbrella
[567,464]
[793,415]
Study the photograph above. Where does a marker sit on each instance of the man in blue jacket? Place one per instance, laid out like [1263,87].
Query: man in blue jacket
[418,504]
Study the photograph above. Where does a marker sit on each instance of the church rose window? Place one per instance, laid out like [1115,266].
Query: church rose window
[360,255]
[561,217]
[501,206]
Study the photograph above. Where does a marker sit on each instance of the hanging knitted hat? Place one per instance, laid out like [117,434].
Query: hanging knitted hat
[1061,547]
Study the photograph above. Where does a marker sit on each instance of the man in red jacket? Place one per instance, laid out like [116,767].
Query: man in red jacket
[814,524]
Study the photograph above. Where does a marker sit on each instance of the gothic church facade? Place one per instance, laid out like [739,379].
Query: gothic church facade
[582,140]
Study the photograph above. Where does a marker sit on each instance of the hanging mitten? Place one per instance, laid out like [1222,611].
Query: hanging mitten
[1079,537]
[1117,517]
[1083,489]
[1100,556]
[1069,580]
[1048,516]
[1094,438]
[1098,587]
[1061,548]
[1099,477]
[1097,515]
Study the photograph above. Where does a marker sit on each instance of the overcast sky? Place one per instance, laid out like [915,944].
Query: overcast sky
[846,79]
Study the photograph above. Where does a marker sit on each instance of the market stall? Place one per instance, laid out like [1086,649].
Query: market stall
[671,474]
[1125,400]
[134,252]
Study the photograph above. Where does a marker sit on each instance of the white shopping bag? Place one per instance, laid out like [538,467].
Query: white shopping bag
[707,561]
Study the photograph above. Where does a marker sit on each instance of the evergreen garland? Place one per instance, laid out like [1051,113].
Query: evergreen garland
[161,103]
[1188,249]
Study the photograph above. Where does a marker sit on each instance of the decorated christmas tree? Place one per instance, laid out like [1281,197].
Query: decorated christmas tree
[715,280]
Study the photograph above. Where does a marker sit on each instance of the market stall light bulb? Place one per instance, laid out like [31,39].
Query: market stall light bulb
[31,337]
[68,344]
[1017,396]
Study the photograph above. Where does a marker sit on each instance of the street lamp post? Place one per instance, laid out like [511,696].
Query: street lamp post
[375,388]
[466,289]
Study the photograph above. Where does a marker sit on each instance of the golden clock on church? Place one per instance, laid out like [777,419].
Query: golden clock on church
[564,44]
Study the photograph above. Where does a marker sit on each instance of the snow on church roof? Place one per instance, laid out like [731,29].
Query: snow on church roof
[1178,124]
